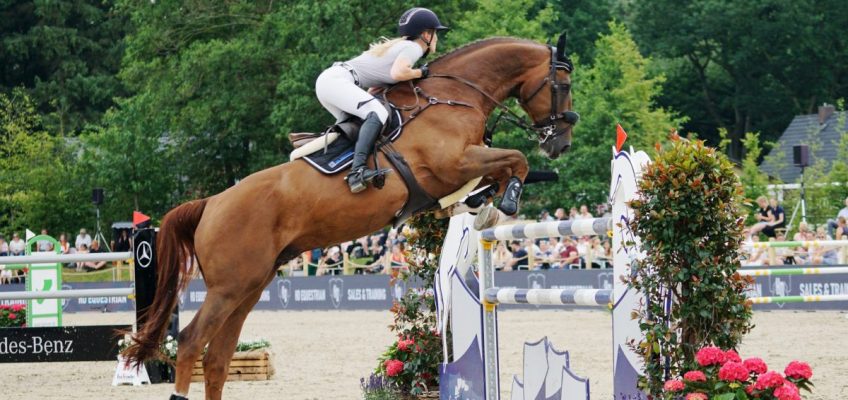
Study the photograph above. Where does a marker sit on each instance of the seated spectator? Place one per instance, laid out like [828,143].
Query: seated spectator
[595,253]
[545,216]
[94,265]
[83,239]
[543,256]
[569,256]
[584,212]
[757,256]
[501,257]
[559,214]
[64,246]
[572,213]
[841,231]
[764,216]
[823,254]
[4,247]
[44,245]
[531,247]
[122,243]
[556,246]
[804,233]
[519,257]
[17,247]
[784,254]
[332,262]
[779,221]
[398,259]
[832,223]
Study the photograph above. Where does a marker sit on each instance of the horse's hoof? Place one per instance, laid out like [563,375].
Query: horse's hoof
[177,397]
[512,194]
[486,218]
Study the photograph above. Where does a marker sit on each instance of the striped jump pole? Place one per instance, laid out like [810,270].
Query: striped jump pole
[806,243]
[798,299]
[64,258]
[539,230]
[794,271]
[67,294]
[553,297]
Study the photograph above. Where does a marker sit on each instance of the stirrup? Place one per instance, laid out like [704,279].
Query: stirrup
[359,179]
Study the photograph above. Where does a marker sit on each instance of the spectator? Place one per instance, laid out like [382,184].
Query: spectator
[519,256]
[44,245]
[122,244]
[531,247]
[596,253]
[784,254]
[758,256]
[501,257]
[764,216]
[823,254]
[82,239]
[83,249]
[584,212]
[94,265]
[569,254]
[4,247]
[572,213]
[803,233]
[556,245]
[543,256]
[333,261]
[779,221]
[831,223]
[64,245]
[559,214]
[841,231]
[398,258]
[545,216]
[17,247]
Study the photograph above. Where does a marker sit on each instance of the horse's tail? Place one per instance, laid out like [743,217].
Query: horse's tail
[174,249]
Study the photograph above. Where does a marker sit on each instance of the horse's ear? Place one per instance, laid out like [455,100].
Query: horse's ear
[561,47]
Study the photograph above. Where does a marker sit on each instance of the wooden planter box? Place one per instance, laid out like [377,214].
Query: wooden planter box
[254,365]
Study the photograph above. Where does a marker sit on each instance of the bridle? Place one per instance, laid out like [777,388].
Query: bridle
[538,131]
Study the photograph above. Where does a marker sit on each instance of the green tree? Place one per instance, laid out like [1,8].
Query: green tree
[617,88]
[755,64]
[36,184]
[66,54]
[753,180]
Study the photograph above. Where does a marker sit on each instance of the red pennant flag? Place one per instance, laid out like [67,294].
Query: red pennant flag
[620,137]
[140,219]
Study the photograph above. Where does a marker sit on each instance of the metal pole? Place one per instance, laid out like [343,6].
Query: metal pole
[67,294]
[803,198]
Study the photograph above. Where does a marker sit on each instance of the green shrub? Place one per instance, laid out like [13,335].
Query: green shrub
[689,219]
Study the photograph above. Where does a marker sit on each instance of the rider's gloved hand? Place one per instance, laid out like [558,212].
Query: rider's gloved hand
[425,71]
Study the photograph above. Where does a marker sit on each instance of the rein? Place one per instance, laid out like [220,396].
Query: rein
[538,132]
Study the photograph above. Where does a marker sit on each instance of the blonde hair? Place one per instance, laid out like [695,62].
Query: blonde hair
[380,47]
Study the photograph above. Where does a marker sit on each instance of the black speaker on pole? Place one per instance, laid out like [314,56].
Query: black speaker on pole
[97,196]
[801,155]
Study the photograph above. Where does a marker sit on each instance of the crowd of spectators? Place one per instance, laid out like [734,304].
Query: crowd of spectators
[83,243]
[813,247]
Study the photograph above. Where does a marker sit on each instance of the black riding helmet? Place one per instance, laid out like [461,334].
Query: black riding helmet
[417,20]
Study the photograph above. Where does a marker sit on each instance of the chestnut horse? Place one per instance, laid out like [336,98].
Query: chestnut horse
[239,237]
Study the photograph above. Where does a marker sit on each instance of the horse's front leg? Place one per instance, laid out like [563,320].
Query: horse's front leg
[507,167]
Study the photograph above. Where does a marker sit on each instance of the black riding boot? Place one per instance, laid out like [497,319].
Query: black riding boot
[360,175]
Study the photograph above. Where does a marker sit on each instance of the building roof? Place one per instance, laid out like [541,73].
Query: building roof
[823,139]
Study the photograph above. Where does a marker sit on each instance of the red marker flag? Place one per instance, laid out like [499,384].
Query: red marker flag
[140,220]
[620,137]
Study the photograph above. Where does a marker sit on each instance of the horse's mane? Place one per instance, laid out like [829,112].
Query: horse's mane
[472,46]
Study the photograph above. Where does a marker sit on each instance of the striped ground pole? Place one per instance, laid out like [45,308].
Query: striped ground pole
[794,271]
[537,230]
[553,297]
[799,299]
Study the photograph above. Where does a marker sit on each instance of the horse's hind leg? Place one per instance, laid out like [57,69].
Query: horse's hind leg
[220,351]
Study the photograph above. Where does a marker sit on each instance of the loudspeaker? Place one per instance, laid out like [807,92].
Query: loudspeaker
[801,155]
[97,196]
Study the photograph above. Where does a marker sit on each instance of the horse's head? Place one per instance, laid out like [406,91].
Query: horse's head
[546,96]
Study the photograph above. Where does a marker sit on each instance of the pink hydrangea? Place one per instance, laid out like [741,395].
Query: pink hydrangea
[393,367]
[787,392]
[733,371]
[673,385]
[756,365]
[13,315]
[709,356]
[769,380]
[695,376]
[798,370]
[696,396]
[732,355]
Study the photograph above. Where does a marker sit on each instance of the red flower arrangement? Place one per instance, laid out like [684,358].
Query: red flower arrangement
[723,375]
[12,315]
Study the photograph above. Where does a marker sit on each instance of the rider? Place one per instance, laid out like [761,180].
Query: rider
[341,88]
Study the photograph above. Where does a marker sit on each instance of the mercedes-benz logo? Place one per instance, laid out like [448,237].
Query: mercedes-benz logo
[144,254]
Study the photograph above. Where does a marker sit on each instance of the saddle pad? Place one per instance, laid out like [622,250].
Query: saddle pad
[334,153]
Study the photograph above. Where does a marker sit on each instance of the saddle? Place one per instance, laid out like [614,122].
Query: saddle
[331,152]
